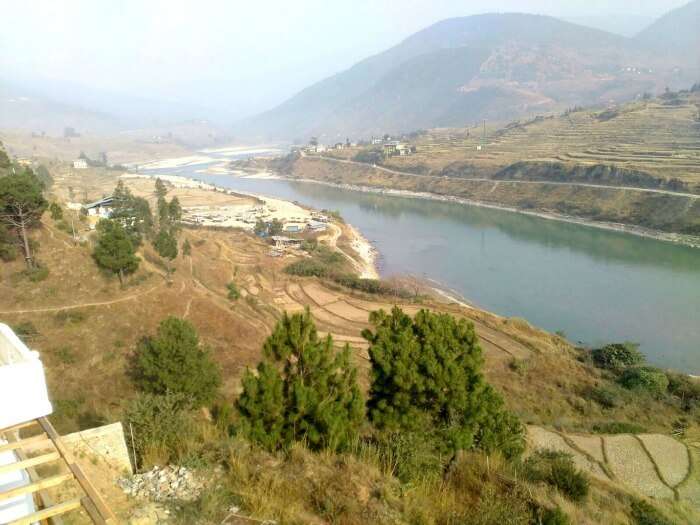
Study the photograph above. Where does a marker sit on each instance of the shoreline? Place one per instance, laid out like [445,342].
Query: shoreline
[639,231]
[365,254]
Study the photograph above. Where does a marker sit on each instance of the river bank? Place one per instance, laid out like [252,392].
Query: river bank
[685,240]
[244,215]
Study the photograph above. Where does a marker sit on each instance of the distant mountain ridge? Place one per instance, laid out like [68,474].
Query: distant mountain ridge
[461,70]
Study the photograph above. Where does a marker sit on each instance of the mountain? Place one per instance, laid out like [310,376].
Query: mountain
[462,70]
[677,33]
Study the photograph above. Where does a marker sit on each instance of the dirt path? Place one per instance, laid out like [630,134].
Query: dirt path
[541,182]
[82,305]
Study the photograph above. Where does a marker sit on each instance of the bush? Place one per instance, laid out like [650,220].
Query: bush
[66,355]
[233,293]
[413,457]
[8,252]
[617,356]
[36,274]
[648,379]
[26,331]
[605,397]
[686,388]
[56,211]
[618,427]
[645,514]
[307,268]
[558,470]
[371,156]
[162,427]
[303,390]
[554,516]
[173,361]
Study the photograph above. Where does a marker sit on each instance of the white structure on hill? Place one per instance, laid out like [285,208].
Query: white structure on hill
[80,164]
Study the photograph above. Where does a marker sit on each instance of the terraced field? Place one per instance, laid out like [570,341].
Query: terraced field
[654,465]
[654,136]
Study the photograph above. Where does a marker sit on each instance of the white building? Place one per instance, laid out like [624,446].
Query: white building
[101,208]
[80,164]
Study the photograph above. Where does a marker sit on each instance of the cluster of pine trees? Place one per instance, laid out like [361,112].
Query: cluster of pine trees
[130,223]
[426,381]
[425,377]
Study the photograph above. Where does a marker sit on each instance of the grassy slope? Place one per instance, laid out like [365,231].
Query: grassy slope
[87,349]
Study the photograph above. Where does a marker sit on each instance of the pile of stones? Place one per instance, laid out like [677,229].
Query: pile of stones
[162,484]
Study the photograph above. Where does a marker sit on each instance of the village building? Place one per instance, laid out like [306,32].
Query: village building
[282,242]
[102,208]
[80,164]
[317,226]
[396,147]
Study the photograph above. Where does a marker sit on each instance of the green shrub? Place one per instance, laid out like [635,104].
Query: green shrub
[173,361]
[8,252]
[554,516]
[233,293]
[66,355]
[26,331]
[56,211]
[36,274]
[604,396]
[307,268]
[369,156]
[648,379]
[413,457]
[558,470]
[618,355]
[162,428]
[644,513]
[686,388]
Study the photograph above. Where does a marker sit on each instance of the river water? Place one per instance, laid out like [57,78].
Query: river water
[596,286]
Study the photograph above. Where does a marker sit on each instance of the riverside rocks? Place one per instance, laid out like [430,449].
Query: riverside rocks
[163,484]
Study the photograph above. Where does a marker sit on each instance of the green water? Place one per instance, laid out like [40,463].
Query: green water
[596,286]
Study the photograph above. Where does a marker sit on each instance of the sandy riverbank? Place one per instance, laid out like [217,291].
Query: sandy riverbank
[365,252]
[245,215]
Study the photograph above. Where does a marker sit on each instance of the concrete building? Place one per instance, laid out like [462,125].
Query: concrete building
[101,208]
[80,164]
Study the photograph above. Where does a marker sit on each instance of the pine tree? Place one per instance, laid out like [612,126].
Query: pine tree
[161,190]
[134,213]
[114,249]
[173,361]
[166,246]
[22,204]
[426,372]
[303,390]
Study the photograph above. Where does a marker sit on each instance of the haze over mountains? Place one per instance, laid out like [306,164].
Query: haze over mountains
[453,73]
[493,66]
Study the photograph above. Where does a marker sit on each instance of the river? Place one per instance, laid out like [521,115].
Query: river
[595,286]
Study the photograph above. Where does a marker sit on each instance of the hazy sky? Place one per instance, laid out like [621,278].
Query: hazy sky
[240,57]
